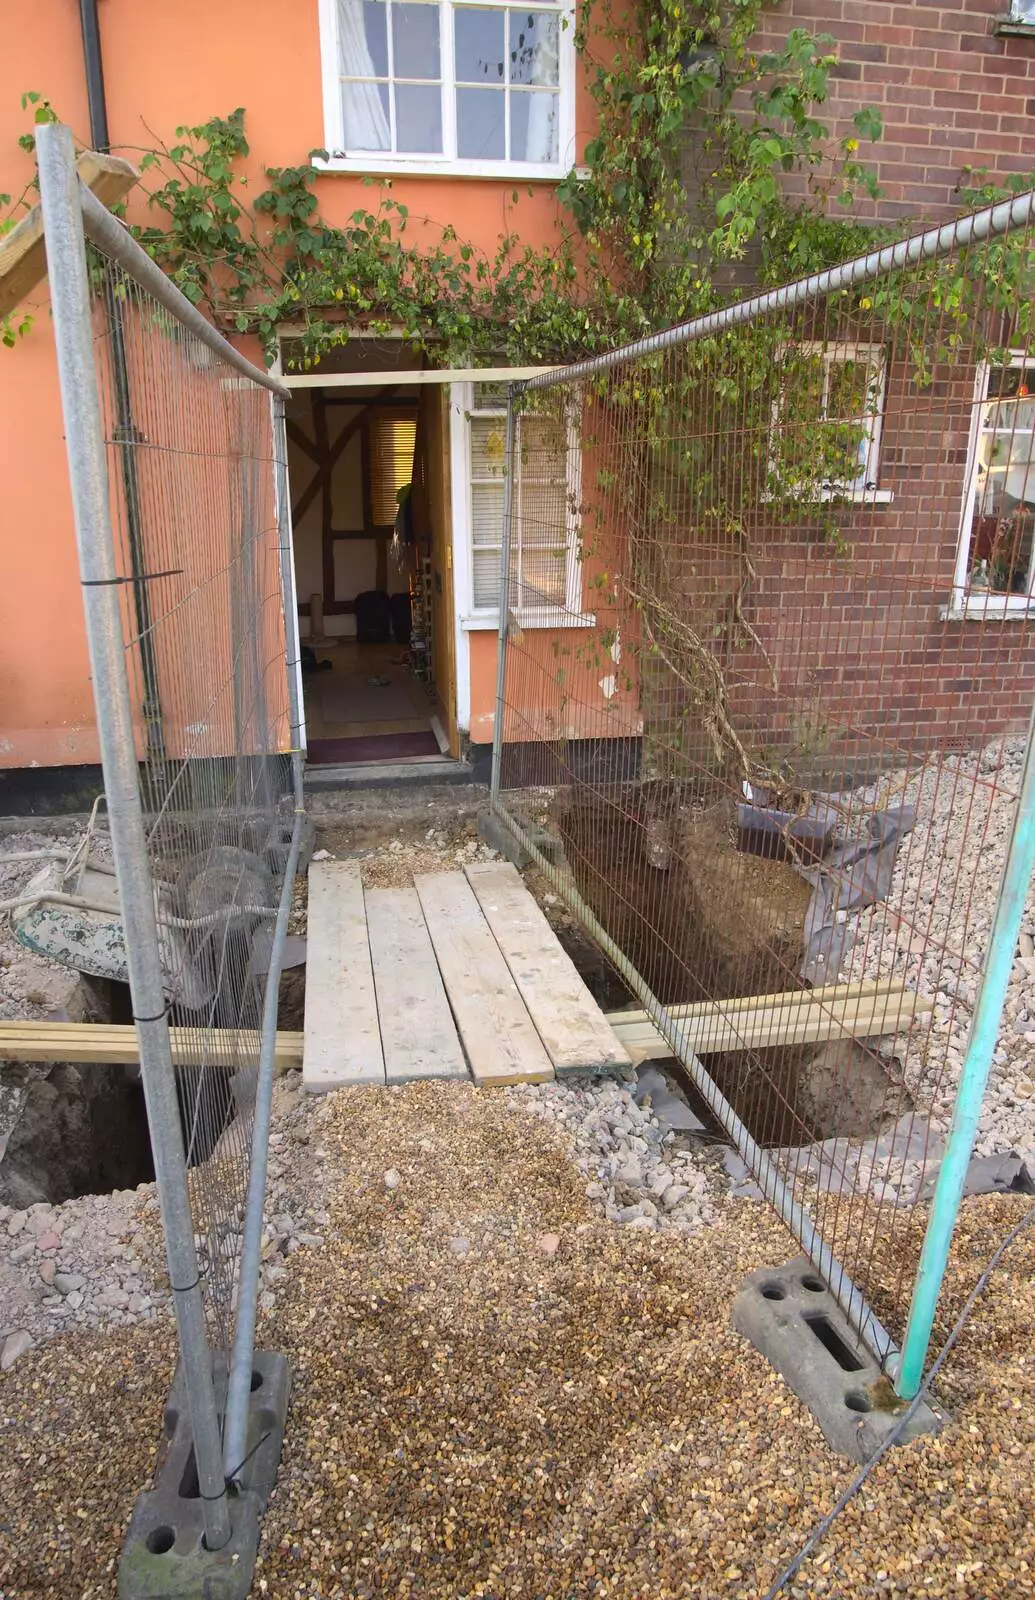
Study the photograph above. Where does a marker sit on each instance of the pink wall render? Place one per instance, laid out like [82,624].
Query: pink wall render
[164,66]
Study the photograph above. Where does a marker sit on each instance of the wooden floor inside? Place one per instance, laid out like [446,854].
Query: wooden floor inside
[460,976]
[364,689]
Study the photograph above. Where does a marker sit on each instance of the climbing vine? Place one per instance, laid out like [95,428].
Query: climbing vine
[697,139]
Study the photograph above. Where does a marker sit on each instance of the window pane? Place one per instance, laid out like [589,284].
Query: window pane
[1004,510]
[392,441]
[486,577]
[534,54]
[543,574]
[363,39]
[490,396]
[533,127]
[544,448]
[480,124]
[850,390]
[486,514]
[544,515]
[418,117]
[415,42]
[488,447]
[365,116]
[1007,383]
[479,46]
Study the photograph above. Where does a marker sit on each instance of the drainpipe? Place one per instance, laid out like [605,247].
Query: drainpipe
[125,431]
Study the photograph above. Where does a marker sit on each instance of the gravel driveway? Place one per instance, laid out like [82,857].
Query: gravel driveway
[500,1393]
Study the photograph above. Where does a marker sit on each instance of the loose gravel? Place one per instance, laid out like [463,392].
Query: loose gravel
[933,931]
[498,1392]
[642,1168]
[98,1262]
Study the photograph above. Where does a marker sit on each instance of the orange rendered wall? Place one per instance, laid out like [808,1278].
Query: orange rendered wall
[164,65]
[537,708]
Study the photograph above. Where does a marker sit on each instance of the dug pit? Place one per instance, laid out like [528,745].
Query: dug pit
[702,919]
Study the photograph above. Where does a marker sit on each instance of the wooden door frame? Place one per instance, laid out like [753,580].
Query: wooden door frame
[324,456]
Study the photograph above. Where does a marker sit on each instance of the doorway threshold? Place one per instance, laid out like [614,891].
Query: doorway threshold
[389,774]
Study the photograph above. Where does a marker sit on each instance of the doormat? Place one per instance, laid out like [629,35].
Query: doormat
[371,747]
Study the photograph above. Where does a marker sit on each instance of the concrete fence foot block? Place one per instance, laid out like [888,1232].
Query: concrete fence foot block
[791,1317]
[164,1556]
[499,837]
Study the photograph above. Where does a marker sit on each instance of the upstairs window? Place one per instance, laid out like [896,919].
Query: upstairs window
[448,85]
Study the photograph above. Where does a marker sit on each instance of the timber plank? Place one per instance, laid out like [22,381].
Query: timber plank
[418,1034]
[23,255]
[499,1037]
[342,1037]
[115,1044]
[765,1029]
[567,1018]
[785,1002]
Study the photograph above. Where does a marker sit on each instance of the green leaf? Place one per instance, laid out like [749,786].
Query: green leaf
[868,122]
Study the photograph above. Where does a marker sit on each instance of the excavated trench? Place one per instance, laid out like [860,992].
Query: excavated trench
[76,1129]
[701,919]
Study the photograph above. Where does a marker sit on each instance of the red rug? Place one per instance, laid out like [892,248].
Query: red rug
[371,747]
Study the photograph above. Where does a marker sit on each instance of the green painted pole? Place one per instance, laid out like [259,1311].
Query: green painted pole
[908,1368]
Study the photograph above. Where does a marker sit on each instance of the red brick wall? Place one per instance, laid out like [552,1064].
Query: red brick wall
[865,660]
[841,659]
[952,93]
[863,655]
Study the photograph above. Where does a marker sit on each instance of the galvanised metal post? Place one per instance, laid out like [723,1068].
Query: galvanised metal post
[292,643]
[984,1030]
[501,657]
[235,1443]
[70,300]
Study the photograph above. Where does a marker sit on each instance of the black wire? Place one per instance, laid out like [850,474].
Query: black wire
[228,1481]
[139,577]
[824,1525]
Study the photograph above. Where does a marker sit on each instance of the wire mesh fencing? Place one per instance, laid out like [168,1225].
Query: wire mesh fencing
[190,449]
[178,470]
[765,682]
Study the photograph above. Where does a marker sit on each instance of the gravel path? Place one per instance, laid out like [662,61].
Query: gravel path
[933,932]
[500,1393]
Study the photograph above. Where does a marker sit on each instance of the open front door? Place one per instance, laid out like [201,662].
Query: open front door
[432,487]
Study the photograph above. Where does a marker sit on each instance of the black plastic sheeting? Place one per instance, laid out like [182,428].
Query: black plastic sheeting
[855,874]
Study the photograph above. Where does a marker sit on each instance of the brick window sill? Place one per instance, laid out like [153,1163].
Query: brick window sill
[842,497]
[996,608]
[1013,27]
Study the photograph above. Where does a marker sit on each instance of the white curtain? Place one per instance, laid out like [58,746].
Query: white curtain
[365,126]
[542,113]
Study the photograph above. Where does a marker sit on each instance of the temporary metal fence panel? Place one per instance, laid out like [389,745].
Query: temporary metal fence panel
[765,678]
[178,463]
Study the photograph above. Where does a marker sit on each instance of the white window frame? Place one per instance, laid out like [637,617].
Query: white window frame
[448,165]
[984,604]
[472,617]
[863,490]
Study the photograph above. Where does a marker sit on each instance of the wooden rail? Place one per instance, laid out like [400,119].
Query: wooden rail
[23,255]
[760,1022]
[116,1044]
[755,1022]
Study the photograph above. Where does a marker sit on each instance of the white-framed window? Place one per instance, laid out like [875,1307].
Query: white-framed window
[449,85]
[545,573]
[825,440]
[995,565]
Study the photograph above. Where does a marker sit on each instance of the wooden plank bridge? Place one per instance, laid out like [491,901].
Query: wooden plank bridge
[462,977]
